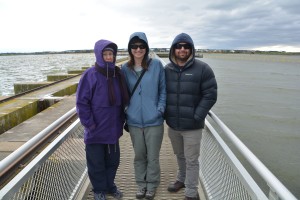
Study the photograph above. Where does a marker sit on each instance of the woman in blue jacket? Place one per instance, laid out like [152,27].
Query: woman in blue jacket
[102,96]
[145,113]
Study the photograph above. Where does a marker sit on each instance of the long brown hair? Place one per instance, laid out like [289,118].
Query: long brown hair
[145,59]
[131,63]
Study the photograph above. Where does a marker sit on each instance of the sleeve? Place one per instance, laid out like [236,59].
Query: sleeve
[162,89]
[84,97]
[208,89]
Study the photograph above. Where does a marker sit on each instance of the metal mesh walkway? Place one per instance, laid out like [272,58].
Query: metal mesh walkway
[125,175]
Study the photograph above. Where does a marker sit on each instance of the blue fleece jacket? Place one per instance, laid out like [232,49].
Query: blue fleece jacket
[147,105]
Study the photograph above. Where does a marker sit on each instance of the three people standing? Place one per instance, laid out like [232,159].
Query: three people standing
[191,93]
[183,93]
[145,113]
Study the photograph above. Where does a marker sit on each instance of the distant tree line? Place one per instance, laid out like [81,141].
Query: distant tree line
[157,50]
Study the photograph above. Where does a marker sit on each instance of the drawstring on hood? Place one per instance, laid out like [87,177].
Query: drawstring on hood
[111,71]
[109,65]
[107,69]
[99,47]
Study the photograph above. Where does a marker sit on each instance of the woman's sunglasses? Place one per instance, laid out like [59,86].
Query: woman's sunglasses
[135,46]
[185,46]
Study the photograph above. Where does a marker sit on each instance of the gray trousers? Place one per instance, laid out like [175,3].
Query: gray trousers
[186,147]
[146,144]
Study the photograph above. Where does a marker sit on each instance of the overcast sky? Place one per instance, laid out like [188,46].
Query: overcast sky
[57,25]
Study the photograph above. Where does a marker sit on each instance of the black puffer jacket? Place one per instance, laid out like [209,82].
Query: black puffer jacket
[191,90]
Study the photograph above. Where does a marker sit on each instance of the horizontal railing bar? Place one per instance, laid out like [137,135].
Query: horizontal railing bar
[11,158]
[20,178]
[239,167]
[264,172]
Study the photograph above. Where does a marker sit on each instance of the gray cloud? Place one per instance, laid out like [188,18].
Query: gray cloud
[218,24]
[223,24]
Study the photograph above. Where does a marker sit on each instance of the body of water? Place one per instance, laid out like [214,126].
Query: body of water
[258,99]
[35,68]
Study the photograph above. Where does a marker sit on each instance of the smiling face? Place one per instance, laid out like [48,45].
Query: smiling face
[182,51]
[138,49]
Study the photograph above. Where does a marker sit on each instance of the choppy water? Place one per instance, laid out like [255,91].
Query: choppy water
[258,99]
[35,68]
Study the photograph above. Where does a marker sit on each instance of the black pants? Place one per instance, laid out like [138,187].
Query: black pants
[102,162]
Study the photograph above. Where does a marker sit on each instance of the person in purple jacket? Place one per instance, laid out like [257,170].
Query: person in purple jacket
[101,98]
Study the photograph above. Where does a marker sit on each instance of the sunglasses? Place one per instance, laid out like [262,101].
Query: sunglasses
[135,46]
[185,46]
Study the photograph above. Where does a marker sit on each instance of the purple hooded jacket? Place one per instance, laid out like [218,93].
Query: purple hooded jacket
[103,122]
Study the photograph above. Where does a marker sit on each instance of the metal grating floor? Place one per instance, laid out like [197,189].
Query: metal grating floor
[125,175]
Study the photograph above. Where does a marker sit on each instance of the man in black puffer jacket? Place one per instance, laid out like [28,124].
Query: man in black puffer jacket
[191,93]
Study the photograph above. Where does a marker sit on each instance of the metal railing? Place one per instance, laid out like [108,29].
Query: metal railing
[223,175]
[59,172]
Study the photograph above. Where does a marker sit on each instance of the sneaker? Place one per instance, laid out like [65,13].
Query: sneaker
[99,196]
[150,195]
[141,193]
[117,194]
[175,187]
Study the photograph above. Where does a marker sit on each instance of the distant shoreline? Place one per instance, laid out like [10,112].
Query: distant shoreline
[157,50]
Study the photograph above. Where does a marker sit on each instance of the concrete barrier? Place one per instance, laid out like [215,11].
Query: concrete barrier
[23,87]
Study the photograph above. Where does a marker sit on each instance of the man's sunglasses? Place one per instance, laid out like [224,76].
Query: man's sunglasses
[135,46]
[185,46]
